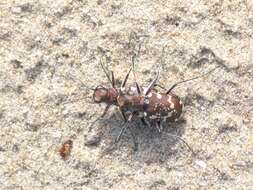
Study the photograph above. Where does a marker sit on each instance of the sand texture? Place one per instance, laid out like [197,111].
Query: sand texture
[50,54]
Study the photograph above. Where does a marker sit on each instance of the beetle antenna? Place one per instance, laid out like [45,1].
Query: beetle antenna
[135,80]
[174,85]
[75,80]
[113,79]
[123,84]
[74,101]
[107,75]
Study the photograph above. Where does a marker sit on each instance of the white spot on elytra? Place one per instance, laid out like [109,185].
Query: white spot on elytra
[180,102]
[169,99]
[150,95]
[132,88]
[146,101]
[145,114]
[159,96]
[172,106]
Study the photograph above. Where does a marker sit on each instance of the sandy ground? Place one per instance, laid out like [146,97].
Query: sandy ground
[49,58]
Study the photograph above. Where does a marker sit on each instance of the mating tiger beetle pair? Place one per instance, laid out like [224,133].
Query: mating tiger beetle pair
[151,106]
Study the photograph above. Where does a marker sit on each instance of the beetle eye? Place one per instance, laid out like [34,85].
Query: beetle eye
[100,94]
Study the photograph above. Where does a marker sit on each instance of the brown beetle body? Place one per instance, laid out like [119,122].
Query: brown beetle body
[155,106]
[161,106]
[144,102]
[110,96]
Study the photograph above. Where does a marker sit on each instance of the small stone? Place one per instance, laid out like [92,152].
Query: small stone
[92,140]
[2,149]
[16,10]
[202,108]
[200,163]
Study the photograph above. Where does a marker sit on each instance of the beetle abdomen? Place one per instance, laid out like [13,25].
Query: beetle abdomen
[162,106]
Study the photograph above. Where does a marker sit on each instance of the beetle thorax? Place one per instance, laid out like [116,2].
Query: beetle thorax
[129,101]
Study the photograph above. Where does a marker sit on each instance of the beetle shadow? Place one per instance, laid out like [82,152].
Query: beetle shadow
[153,146]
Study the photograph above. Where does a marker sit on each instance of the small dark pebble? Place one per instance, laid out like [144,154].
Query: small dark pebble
[92,140]
[2,149]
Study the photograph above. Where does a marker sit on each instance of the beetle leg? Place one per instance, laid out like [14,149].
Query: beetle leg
[144,121]
[183,141]
[113,80]
[138,88]
[124,127]
[159,125]
[123,114]
[134,139]
[151,85]
[135,80]
[105,111]
[125,80]
[106,73]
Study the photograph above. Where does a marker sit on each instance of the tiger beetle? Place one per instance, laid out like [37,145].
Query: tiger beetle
[147,103]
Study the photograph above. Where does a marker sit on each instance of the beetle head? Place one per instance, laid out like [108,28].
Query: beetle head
[106,95]
[100,94]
